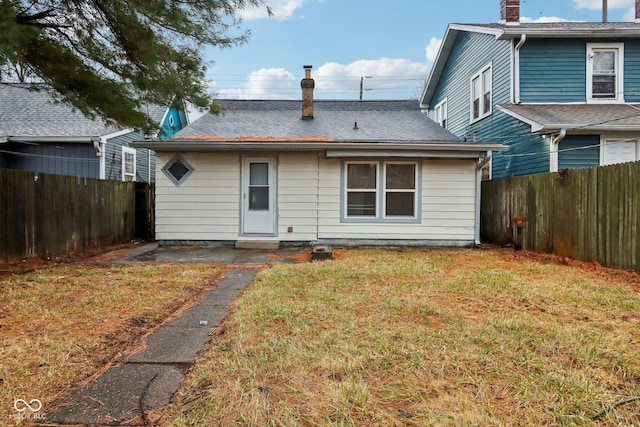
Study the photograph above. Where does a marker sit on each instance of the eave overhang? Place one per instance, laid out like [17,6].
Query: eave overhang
[332,148]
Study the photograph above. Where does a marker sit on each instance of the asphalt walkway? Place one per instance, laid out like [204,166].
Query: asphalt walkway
[147,380]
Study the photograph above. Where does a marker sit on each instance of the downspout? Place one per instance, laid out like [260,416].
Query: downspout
[553,150]
[516,69]
[99,145]
[479,195]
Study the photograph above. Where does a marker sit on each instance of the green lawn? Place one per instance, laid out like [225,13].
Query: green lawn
[422,337]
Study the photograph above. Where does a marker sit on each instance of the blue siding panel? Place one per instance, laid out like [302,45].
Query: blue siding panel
[528,153]
[472,52]
[113,152]
[173,122]
[71,159]
[553,70]
[579,151]
[632,70]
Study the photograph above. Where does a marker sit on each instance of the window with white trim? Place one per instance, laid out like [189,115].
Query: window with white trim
[380,190]
[128,164]
[605,80]
[440,113]
[481,89]
[619,150]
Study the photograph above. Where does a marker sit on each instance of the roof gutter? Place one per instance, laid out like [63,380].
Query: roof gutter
[516,68]
[346,146]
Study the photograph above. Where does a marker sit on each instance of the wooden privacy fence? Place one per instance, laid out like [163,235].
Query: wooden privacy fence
[43,215]
[585,214]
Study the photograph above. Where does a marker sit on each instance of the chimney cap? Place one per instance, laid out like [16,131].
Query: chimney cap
[307,67]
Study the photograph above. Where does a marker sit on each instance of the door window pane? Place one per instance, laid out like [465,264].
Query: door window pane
[258,186]
[259,174]
[258,198]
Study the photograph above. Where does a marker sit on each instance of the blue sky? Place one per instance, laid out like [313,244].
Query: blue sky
[391,44]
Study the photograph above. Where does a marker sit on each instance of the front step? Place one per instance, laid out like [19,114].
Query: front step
[258,244]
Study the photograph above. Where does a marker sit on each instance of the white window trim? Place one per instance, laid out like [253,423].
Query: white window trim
[612,140]
[128,150]
[619,73]
[440,113]
[381,190]
[478,75]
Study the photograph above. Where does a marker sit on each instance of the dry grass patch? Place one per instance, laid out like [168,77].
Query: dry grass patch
[422,337]
[62,323]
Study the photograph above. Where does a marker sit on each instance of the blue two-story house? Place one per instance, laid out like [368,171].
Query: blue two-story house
[42,135]
[560,95]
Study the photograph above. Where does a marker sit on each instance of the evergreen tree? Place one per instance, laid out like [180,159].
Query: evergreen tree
[109,58]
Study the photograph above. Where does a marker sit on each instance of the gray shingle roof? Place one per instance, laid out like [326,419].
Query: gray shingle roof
[374,121]
[560,29]
[25,112]
[577,117]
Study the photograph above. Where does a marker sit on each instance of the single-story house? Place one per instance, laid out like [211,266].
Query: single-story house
[332,172]
[41,135]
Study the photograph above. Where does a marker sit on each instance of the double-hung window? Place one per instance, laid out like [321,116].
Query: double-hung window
[440,113]
[481,88]
[605,80]
[380,191]
[128,164]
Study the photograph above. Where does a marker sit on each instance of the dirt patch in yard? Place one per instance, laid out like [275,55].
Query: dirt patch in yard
[64,320]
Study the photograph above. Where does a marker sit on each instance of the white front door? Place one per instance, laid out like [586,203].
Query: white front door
[258,196]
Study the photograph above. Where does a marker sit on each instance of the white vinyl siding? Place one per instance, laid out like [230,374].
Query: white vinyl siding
[206,207]
[447,205]
[203,207]
[297,197]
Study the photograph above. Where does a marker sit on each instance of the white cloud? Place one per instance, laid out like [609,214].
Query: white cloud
[543,19]
[431,51]
[282,10]
[629,5]
[393,77]
[630,15]
[266,83]
[384,77]
[597,4]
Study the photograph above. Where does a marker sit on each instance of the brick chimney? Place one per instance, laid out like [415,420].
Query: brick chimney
[307,84]
[510,12]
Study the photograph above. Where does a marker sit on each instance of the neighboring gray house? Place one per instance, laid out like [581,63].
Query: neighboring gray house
[41,135]
[341,172]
